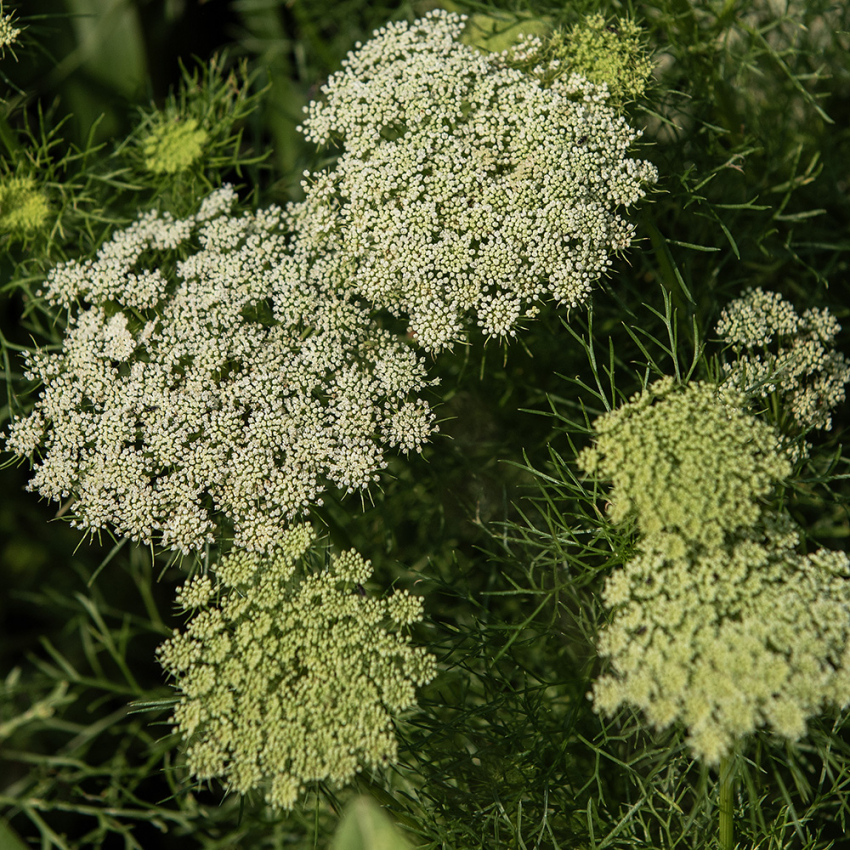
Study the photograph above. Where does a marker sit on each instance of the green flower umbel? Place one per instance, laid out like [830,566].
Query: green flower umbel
[747,636]
[716,623]
[291,676]
[24,210]
[609,53]
[687,461]
[174,146]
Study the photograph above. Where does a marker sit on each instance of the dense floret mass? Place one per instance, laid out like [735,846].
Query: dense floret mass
[207,376]
[466,184]
[779,351]
[682,459]
[604,52]
[293,674]
[24,209]
[173,146]
[728,640]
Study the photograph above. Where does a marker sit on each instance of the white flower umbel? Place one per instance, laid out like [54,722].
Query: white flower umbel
[466,185]
[8,31]
[292,675]
[207,375]
[777,350]
[728,640]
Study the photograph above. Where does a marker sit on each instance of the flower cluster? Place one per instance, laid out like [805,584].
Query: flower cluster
[717,622]
[173,146]
[24,210]
[610,54]
[730,639]
[779,351]
[209,376]
[290,675]
[682,460]
[466,184]
[8,32]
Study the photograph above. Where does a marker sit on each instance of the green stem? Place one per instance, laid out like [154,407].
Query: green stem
[726,805]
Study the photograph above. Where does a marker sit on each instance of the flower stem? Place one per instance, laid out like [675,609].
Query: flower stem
[726,804]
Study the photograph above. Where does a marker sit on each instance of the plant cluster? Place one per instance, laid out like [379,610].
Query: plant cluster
[291,677]
[207,354]
[716,623]
[466,184]
[776,350]
[206,378]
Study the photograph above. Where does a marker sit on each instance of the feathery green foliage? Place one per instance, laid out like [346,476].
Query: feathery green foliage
[530,577]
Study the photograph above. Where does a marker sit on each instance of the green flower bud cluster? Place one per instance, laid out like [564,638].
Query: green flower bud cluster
[172,146]
[290,674]
[206,376]
[681,460]
[466,185]
[716,623]
[779,351]
[607,54]
[730,639]
[24,209]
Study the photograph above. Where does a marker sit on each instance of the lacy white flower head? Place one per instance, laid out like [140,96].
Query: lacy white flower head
[684,459]
[290,673]
[778,350]
[210,377]
[728,640]
[466,185]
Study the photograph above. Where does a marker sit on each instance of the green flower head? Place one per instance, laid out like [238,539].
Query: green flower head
[24,209]
[606,52]
[683,460]
[289,675]
[747,636]
[174,146]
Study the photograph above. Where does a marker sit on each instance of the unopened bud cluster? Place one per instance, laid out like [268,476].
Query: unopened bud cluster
[717,623]
[290,674]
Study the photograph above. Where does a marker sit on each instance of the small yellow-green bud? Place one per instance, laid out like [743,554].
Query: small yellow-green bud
[174,146]
[24,209]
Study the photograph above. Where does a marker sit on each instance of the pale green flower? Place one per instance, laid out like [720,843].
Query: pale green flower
[611,53]
[174,145]
[24,209]
[725,641]
[294,674]
[683,459]
[777,350]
